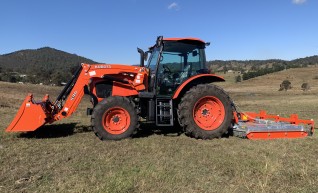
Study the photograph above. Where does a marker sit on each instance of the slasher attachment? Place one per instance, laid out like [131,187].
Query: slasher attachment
[266,126]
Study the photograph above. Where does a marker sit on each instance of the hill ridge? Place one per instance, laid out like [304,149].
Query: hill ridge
[42,65]
[47,62]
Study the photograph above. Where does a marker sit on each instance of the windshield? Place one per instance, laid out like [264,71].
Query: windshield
[179,60]
[182,60]
[179,57]
[152,62]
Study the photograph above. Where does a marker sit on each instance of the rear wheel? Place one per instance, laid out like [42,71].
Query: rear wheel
[205,112]
[114,118]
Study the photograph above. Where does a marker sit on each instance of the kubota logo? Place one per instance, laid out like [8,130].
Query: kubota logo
[103,66]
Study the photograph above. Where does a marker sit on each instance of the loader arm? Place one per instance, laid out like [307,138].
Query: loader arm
[33,115]
[72,94]
[132,79]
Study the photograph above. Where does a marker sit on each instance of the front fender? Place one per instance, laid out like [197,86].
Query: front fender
[198,79]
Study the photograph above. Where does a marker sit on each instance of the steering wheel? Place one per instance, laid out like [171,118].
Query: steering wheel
[166,69]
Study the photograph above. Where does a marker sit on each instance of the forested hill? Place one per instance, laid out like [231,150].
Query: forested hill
[46,57]
[255,65]
[51,66]
[44,65]
[253,68]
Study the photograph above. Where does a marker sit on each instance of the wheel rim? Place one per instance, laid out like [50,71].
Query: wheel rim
[209,113]
[116,120]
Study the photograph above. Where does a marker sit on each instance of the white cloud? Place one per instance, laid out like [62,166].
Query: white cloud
[174,6]
[298,2]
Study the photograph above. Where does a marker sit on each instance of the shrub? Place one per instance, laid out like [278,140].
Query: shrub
[238,79]
[13,79]
[305,87]
[285,85]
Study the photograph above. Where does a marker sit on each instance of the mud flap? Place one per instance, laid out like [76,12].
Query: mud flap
[30,116]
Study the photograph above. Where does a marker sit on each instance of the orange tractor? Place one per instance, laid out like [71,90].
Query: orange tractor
[173,89]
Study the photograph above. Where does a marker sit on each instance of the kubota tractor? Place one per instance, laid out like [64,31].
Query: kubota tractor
[174,88]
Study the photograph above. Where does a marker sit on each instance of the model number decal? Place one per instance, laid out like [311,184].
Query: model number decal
[73,95]
[103,66]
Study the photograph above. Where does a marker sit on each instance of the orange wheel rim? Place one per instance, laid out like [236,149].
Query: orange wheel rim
[116,120]
[209,113]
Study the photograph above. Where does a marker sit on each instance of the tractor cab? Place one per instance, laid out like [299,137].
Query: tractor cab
[175,65]
[173,61]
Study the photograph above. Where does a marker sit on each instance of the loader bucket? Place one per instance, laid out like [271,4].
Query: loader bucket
[30,116]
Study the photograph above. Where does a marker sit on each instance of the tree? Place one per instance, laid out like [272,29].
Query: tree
[13,79]
[246,76]
[58,77]
[285,85]
[305,86]
[225,69]
[238,79]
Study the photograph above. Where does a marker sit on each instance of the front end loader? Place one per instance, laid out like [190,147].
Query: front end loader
[174,88]
[30,116]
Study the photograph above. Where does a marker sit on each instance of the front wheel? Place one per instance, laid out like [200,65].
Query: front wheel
[114,118]
[205,112]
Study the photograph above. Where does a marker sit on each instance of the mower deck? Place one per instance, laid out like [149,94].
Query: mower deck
[266,126]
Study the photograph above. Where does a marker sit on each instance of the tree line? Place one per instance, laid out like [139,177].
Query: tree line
[253,68]
[51,66]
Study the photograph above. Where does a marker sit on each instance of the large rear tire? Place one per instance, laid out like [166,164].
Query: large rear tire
[205,112]
[114,118]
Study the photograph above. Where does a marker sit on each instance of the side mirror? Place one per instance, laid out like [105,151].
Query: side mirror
[159,41]
[194,53]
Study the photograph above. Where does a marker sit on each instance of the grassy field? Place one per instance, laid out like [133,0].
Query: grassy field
[67,157]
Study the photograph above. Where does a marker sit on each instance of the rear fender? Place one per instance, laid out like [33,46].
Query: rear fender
[195,80]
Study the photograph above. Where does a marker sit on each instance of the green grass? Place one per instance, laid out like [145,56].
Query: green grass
[68,157]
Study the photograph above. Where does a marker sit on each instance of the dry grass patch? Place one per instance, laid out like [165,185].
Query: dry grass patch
[67,157]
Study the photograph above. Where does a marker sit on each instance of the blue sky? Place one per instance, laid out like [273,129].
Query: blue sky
[110,30]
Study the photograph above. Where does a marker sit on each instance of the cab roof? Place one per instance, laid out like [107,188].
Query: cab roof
[184,39]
